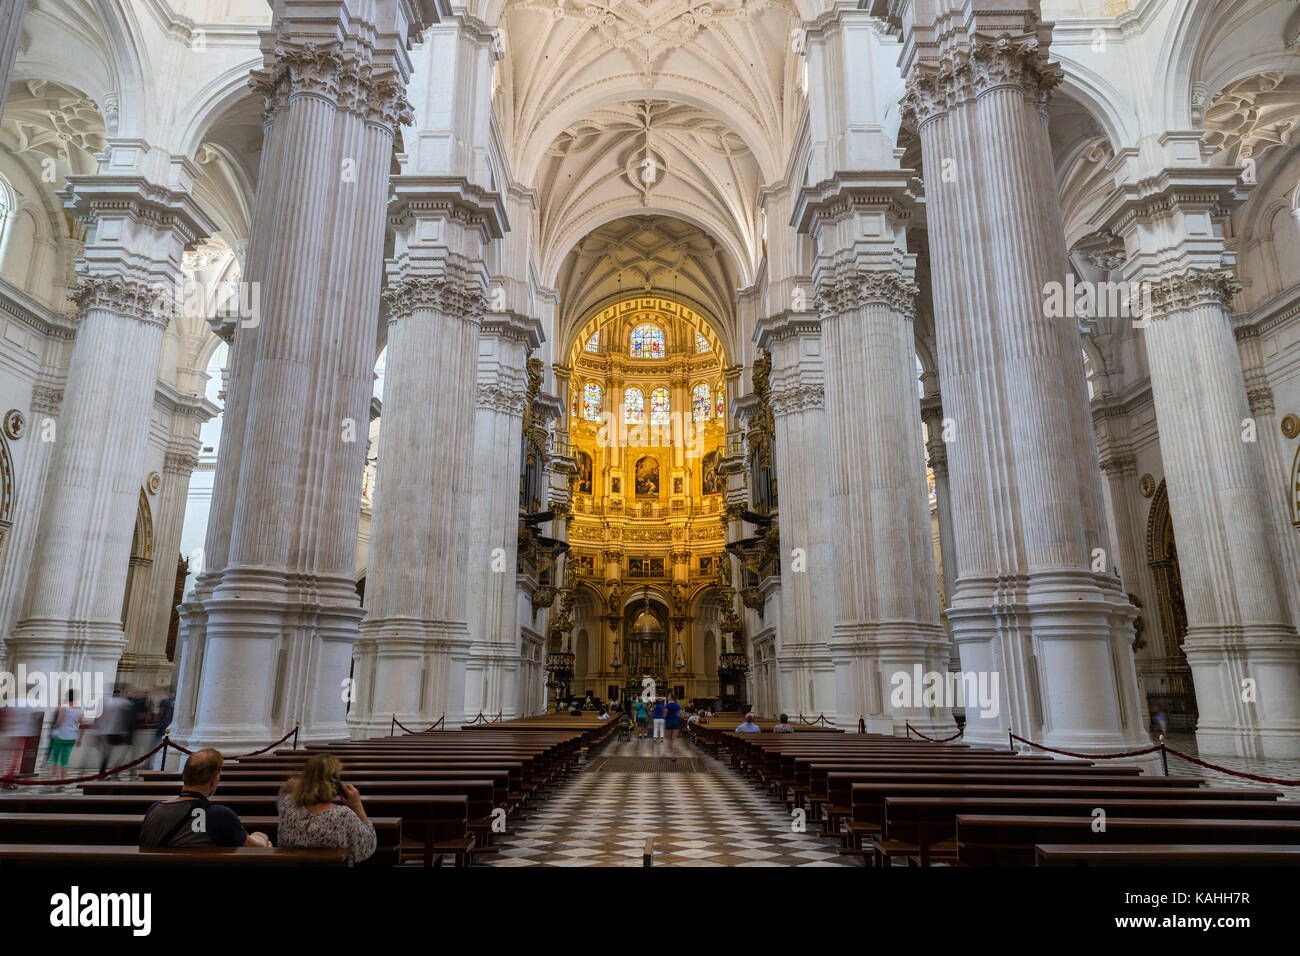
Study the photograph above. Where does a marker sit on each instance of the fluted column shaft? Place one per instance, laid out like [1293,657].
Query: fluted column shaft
[11,31]
[72,611]
[806,675]
[275,626]
[414,640]
[1027,606]
[886,609]
[493,680]
[15,556]
[1240,644]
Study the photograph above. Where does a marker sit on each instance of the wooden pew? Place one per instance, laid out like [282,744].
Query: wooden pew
[1009,840]
[16,855]
[437,824]
[844,787]
[924,821]
[478,794]
[1173,855]
[123,829]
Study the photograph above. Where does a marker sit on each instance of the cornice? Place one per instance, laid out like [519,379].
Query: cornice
[37,317]
[471,204]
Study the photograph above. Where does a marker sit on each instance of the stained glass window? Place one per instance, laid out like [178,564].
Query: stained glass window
[659,407]
[593,400]
[577,402]
[703,405]
[633,406]
[647,342]
[701,343]
[721,391]
[593,343]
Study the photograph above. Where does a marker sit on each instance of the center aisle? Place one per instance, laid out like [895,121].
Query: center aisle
[701,814]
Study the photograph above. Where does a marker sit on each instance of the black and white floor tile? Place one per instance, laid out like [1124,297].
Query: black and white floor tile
[700,813]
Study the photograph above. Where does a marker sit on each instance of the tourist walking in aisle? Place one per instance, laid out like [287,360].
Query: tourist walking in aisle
[659,719]
[672,724]
[640,717]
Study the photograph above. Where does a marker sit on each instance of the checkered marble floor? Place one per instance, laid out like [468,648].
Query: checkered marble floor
[709,817]
[1276,767]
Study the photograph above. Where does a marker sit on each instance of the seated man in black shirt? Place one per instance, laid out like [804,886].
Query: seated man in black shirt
[191,820]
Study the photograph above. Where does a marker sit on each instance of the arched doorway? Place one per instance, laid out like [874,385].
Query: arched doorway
[1170,685]
[137,572]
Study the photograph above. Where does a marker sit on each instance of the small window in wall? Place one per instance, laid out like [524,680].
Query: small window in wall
[660,410]
[593,343]
[703,402]
[721,391]
[647,342]
[593,400]
[701,343]
[633,407]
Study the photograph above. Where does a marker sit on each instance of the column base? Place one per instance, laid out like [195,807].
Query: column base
[412,668]
[1246,692]
[1059,645]
[892,674]
[276,649]
[82,654]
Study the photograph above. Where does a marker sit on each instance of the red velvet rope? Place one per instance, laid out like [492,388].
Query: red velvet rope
[258,753]
[410,731]
[1067,753]
[9,783]
[1235,773]
[821,719]
[934,740]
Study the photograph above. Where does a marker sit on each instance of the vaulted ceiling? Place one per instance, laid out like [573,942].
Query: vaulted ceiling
[641,254]
[614,108]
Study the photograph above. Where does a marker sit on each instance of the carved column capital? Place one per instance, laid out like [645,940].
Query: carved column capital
[130,298]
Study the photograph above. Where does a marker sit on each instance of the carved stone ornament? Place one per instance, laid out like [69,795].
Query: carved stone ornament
[125,297]
[987,63]
[15,424]
[1291,425]
[1146,486]
[344,76]
[153,482]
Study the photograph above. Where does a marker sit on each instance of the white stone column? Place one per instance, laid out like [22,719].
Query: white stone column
[1241,644]
[886,610]
[29,490]
[11,31]
[798,403]
[414,641]
[271,632]
[492,681]
[1027,608]
[138,225]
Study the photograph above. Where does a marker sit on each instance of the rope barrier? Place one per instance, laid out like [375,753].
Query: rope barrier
[435,726]
[821,719]
[934,740]
[1068,753]
[1236,773]
[1166,749]
[10,783]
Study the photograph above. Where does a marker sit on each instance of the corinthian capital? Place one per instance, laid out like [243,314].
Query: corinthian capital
[126,297]
[1177,292]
